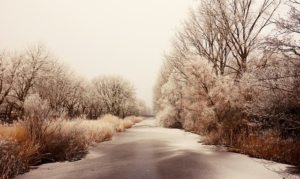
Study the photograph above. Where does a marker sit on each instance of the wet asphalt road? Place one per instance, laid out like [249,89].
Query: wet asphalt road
[149,152]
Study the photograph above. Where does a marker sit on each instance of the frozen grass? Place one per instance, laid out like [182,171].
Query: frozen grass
[255,142]
[16,152]
[120,124]
[14,131]
[269,146]
[116,122]
[134,119]
[96,131]
[35,141]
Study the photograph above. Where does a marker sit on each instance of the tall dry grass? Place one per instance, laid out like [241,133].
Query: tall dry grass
[267,145]
[256,142]
[116,122]
[120,124]
[16,152]
[134,119]
[36,141]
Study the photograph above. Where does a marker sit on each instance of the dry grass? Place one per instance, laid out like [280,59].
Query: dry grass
[97,132]
[134,119]
[116,122]
[14,131]
[214,138]
[35,141]
[16,152]
[120,124]
[127,123]
[268,146]
[256,142]
[10,163]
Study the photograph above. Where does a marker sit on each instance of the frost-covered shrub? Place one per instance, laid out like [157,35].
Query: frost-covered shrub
[227,99]
[168,117]
[35,106]
[197,101]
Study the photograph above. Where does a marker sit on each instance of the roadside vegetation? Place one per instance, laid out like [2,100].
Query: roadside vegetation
[34,141]
[232,79]
[49,114]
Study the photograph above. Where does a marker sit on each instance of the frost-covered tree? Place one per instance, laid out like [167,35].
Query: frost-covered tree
[161,79]
[226,33]
[32,65]
[276,80]
[286,38]
[117,94]
[171,102]
[230,84]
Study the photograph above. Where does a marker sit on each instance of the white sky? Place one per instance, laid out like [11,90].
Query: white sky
[97,37]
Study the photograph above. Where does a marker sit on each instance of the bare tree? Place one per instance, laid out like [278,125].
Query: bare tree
[278,77]
[34,61]
[117,94]
[202,36]
[8,67]
[54,87]
[241,22]
[286,38]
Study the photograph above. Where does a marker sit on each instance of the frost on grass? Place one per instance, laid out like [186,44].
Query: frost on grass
[36,141]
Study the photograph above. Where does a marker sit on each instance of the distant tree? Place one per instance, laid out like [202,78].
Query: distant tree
[142,107]
[117,94]
[171,102]
[162,78]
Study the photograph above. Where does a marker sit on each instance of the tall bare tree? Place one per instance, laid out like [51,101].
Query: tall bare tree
[240,23]
[203,37]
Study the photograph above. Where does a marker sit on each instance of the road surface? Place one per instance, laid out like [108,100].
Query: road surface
[149,152]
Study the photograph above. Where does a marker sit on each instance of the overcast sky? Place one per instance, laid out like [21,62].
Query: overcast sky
[95,37]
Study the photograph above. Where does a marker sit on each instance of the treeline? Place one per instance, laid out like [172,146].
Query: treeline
[232,80]
[34,83]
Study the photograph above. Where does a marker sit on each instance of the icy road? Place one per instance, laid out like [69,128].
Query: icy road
[149,152]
